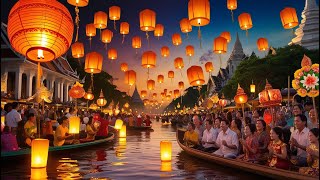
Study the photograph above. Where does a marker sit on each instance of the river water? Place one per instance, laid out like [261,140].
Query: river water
[137,157]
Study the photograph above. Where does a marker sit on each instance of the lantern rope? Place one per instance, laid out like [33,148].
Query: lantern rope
[147,38]
[148,73]
[220,60]
[232,16]
[187,35]
[199,37]
[77,20]
[90,42]
[181,73]
[114,25]
[247,33]
[123,38]
[92,80]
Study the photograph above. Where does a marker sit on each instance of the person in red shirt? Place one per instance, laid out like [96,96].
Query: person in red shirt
[103,129]
[147,121]
[139,121]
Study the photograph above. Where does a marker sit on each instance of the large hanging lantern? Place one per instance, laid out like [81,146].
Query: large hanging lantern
[123,131]
[93,63]
[158,31]
[160,79]
[220,45]
[165,150]
[176,93]
[77,50]
[130,77]
[30,35]
[124,67]
[185,26]
[124,29]
[262,44]
[39,173]
[118,124]
[74,125]
[100,20]
[178,63]
[112,54]
[222,101]
[144,93]
[91,30]
[245,22]
[176,39]
[252,87]
[165,51]
[106,36]
[226,35]
[136,42]
[147,21]
[267,116]
[114,14]
[289,18]
[269,96]
[181,85]
[195,76]
[209,67]
[39,153]
[241,97]
[101,101]
[93,106]
[189,50]
[232,5]
[89,96]
[150,84]
[149,59]
[78,3]
[77,91]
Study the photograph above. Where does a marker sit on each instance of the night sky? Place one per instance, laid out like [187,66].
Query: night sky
[265,17]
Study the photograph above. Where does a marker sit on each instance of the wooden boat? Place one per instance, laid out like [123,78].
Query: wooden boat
[55,149]
[140,128]
[237,164]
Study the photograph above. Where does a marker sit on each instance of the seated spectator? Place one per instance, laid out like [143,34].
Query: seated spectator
[91,131]
[198,127]
[281,120]
[83,125]
[61,135]
[104,127]
[191,138]
[278,156]
[297,109]
[227,141]
[139,121]
[263,141]
[48,131]
[147,121]
[131,121]
[13,117]
[236,127]
[30,129]
[209,137]
[8,140]
[299,140]
[250,144]
[313,123]
[313,154]
[216,125]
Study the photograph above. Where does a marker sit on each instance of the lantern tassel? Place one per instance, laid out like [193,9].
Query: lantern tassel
[136,51]
[181,73]
[90,42]
[92,81]
[77,19]
[187,35]
[148,73]
[189,60]
[79,62]
[314,107]
[232,16]
[220,61]
[247,33]
[147,38]
[199,36]
[123,39]
[114,25]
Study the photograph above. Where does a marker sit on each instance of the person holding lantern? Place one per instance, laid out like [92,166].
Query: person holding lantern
[30,128]
[61,135]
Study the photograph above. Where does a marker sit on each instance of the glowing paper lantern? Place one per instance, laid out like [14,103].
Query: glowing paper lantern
[252,87]
[101,101]
[149,59]
[158,31]
[176,93]
[91,30]
[78,3]
[38,173]
[162,95]
[165,52]
[176,39]
[232,5]
[39,153]
[106,36]
[269,96]
[100,20]
[181,85]
[199,12]
[222,101]
[195,76]
[185,25]
[130,77]
[40,36]
[241,97]
[112,54]
[220,45]
[166,166]
[189,50]
[166,150]
[147,21]
[171,74]
[93,63]
[165,91]
[267,116]
[150,84]
[77,50]
[245,22]
[154,95]
[77,91]
[226,35]
[124,29]
[178,63]
[123,131]
[262,44]
[289,18]
[124,67]
[89,95]
[114,13]
[209,67]
[160,78]
[74,125]
[136,42]
[143,93]
[118,124]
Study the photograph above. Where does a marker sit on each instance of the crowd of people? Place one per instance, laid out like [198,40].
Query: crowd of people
[290,142]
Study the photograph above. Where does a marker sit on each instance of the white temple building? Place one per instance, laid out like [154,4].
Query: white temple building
[307,34]
[18,74]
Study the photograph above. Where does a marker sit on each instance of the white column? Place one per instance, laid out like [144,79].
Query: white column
[66,94]
[61,92]
[18,84]
[57,89]
[52,84]
[29,84]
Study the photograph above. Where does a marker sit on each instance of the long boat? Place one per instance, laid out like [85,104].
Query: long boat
[245,166]
[54,149]
[139,128]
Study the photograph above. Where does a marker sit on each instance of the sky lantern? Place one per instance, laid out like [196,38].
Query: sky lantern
[124,29]
[171,75]
[289,18]
[226,35]
[158,31]
[100,20]
[154,95]
[74,125]
[144,93]
[170,93]
[114,14]
[130,77]
[147,21]
[232,5]
[189,51]
[30,35]
[101,101]
[112,54]
[165,51]
[245,22]
[106,36]
[160,79]
[220,46]
[165,91]
[181,85]
[262,44]
[39,153]
[118,124]
[89,96]
[150,84]
[165,150]
[77,50]
[162,95]
[93,64]
[176,39]
[178,64]
[195,76]
[149,59]
[199,14]
[91,31]
[124,67]
[209,67]
[185,26]
[176,93]
[136,42]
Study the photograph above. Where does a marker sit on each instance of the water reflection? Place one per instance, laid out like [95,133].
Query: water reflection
[68,169]
[166,166]
[38,173]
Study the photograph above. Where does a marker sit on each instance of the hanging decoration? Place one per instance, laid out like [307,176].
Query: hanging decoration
[114,14]
[147,21]
[124,67]
[245,22]
[165,51]
[158,31]
[185,26]
[101,101]
[124,29]
[176,39]
[220,46]
[232,5]
[149,59]
[77,92]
